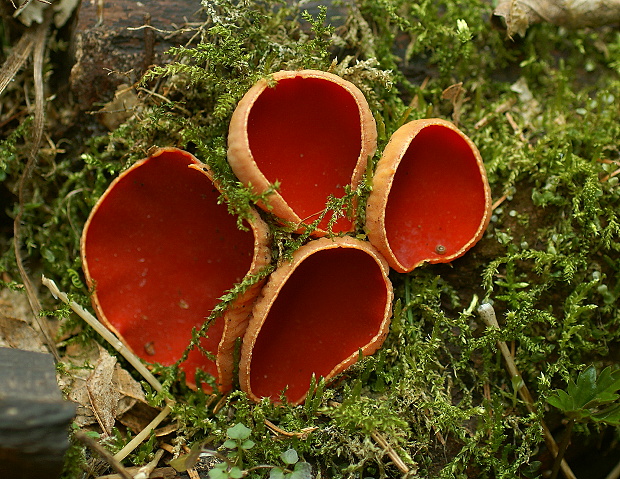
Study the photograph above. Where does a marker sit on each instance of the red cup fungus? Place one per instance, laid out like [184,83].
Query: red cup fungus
[309,131]
[314,316]
[431,200]
[158,251]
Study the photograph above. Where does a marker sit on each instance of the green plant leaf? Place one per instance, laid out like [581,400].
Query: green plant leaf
[230,444]
[584,398]
[303,470]
[277,473]
[238,432]
[247,444]
[290,456]
[219,472]
[235,473]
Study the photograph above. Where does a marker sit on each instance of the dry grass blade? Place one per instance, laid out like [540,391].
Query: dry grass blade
[18,57]
[39,36]
[95,446]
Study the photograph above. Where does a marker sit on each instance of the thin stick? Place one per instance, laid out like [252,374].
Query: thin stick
[145,471]
[18,57]
[142,435]
[95,446]
[105,333]
[393,455]
[487,314]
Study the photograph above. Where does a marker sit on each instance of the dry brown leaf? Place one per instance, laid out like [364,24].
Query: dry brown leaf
[102,392]
[456,94]
[520,14]
[15,329]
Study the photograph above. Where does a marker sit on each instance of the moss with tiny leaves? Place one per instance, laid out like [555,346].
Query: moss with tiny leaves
[437,392]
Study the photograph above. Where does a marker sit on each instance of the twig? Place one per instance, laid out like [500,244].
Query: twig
[105,333]
[301,434]
[379,439]
[145,471]
[562,449]
[18,57]
[503,108]
[392,454]
[127,354]
[142,435]
[487,314]
[95,446]
[498,202]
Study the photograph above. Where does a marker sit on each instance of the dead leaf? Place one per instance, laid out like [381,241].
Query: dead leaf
[520,14]
[15,328]
[102,392]
[456,94]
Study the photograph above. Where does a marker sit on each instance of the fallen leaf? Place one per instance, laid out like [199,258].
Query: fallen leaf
[103,393]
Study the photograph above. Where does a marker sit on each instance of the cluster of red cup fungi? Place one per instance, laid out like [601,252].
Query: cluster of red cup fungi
[158,249]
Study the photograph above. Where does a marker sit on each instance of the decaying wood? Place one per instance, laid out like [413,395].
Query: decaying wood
[520,14]
[34,418]
[115,42]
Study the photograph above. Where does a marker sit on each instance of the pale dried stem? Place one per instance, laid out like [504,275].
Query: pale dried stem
[392,454]
[105,333]
[142,435]
[99,449]
[18,57]
[487,314]
[134,360]
[615,472]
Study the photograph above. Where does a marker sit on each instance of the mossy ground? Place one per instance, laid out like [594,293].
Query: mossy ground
[437,391]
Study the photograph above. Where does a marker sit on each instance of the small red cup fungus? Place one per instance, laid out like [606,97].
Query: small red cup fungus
[158,251]
[431,200]
[312,132]
[313,317]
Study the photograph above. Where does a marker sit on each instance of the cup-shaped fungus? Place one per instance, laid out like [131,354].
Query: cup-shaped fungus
[308,131]
[431,200]
[314,316]
[158,251]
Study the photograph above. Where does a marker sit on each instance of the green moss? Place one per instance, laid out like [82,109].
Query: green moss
[437,391]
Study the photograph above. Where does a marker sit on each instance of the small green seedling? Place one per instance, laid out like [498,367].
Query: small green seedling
[301,470]
[238,441]
[589,399]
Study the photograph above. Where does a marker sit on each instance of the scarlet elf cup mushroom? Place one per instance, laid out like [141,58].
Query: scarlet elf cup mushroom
[314,316]
[158,251]
[431,200]
[309,131]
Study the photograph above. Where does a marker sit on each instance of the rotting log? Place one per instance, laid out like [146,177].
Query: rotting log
[115,42]
[34,418]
